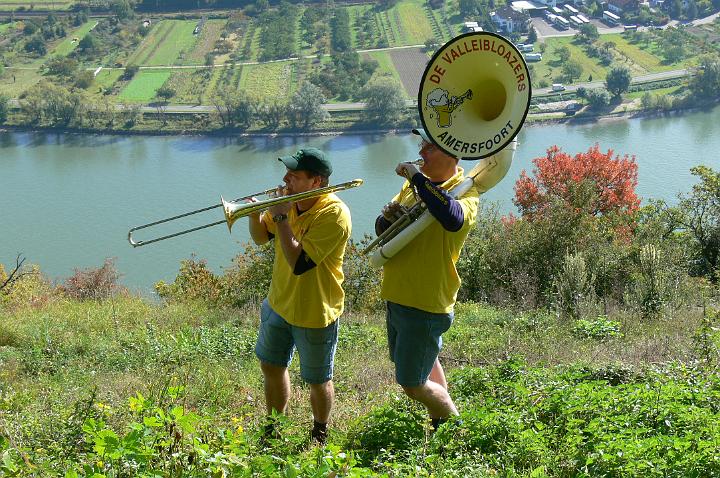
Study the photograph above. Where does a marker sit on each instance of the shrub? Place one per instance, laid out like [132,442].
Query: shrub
[93,284]
[599,328]
[574,285]
[395,427]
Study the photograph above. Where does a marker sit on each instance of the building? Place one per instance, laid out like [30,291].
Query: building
[509,20]
[619,6]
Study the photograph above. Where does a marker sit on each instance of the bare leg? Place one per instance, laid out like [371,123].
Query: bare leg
[437,374]
[277,387]
[435,398]
[322,396]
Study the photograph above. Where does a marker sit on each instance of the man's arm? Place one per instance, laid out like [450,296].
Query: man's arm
[442,206]
[258,229]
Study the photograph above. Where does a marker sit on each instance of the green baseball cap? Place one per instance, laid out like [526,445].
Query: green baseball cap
[308,159]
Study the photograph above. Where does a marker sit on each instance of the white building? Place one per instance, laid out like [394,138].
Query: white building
[509,20]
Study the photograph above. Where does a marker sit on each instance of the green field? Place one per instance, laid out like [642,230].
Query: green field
[385,65]
[7,5]
[412,22]
[169,43]
[550,68]
[144,85]
[13,82]
[268,80]
[73,38]
[7,26]
[107,78]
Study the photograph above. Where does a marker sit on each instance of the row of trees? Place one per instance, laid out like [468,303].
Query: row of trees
[385,105]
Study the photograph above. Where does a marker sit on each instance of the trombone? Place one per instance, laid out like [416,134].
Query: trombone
[236,209]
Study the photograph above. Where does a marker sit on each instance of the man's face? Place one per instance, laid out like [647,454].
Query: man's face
[435,161]
[300,181]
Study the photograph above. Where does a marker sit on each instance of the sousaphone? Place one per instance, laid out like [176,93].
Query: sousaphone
[474,95]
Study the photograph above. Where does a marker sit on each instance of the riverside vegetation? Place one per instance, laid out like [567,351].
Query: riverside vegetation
[585,344]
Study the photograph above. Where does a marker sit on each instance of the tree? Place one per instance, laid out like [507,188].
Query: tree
[62,66]
[121,9]
[165,92]
[597,98]
[4,108]
[468,8]
[699,214]
[563,53]
[130,71]
[532,35]
[384,102]
[8,281]
[588,33]
[673,52]
[609,183]
[706,82]
[37,45]
[572,70]
[89,43]
[234,108]
[305,107]
[85,79]
[270,113]
[618,79]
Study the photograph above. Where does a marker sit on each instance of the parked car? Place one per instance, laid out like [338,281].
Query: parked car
[558,87]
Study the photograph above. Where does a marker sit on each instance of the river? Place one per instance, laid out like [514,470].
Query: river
[69,200]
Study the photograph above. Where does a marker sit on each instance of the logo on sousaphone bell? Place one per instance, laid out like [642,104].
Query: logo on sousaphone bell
[443,104]
[474,95]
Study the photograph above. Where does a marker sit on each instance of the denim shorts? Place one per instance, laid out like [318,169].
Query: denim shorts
[277,341]
[415,340]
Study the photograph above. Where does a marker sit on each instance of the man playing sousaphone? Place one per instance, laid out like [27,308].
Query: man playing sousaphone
[420,283]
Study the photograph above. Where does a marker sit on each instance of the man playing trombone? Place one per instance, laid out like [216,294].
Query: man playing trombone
[306,296]
[420,282]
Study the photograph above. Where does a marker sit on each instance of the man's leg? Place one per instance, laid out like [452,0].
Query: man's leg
[437,374]
[277,387]
[322,396]
[435,398]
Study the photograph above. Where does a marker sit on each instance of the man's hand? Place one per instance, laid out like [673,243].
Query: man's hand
[406,170]
[282,208]
[392,211]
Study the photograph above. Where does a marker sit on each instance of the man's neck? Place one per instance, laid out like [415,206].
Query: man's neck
[306,204]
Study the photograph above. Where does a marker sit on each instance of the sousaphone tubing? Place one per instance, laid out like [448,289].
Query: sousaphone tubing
[474,95]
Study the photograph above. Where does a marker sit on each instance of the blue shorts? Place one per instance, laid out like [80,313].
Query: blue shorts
[277,341]
[415,340]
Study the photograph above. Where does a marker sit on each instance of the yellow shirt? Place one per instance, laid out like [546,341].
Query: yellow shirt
[423,274]
[315,298]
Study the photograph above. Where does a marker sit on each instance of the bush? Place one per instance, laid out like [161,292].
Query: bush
[93,284]
[600,328]
[392,428]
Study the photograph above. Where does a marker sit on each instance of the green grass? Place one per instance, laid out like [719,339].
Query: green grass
[144,85]
[413,22]
[7,5]
[550,68]
[7,26]
[107,78]
[13,82]
[385,65]
[69,43]
[167,44]
[533,394]
[269,80]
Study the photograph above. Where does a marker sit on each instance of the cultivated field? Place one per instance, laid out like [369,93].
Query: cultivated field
[144,85]
[410,64]
[74,37]
[9,5]
[269,80]
[168,43]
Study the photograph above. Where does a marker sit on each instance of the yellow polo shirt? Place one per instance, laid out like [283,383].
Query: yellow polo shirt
[315,298]
[423,274]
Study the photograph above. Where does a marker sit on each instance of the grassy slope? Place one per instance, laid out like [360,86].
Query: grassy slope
[54,354]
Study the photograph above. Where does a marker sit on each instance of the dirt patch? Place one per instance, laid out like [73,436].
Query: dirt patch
[410,64]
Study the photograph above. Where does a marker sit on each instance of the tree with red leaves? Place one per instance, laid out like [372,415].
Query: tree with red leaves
[592,182]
